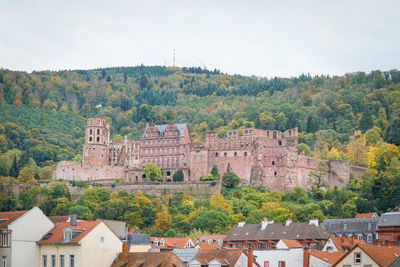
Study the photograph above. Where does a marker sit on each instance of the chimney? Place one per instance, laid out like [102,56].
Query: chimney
[250,257]
[288,222]
[313,221]
[241,224]
[125,250]
[264,224]
[305,257]
[72,220]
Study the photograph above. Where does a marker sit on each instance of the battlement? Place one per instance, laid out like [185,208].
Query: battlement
[96,122]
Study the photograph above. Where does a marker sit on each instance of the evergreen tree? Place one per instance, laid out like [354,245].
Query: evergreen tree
[14,168]
[215,173]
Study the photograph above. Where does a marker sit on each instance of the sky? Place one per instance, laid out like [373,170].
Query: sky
[263,38]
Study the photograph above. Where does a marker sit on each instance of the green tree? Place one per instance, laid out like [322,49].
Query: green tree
[14,168]
[178,176]
[153,172]
[215,172]
[230,180]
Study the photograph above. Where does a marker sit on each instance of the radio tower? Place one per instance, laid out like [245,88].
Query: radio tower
[174,58]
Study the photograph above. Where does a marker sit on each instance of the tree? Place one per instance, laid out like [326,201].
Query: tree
[163,219]
[152,172]
[299,195]
[178,176]
[215,172]
[230,180]
[392,132]
[14,168]
[317,180]
[217,201]
[26,175]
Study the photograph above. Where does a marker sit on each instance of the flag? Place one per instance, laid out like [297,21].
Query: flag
[98,106]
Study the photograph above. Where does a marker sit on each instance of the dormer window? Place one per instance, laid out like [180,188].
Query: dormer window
[161,242]
[67,235]
[345,227]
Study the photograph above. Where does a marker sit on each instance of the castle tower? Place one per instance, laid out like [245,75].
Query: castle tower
[97,137]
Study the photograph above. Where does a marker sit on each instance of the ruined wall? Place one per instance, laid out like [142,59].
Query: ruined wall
[197,189]
[67,170]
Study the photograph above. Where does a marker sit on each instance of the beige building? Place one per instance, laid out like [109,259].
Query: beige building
[19,232]
[79,244]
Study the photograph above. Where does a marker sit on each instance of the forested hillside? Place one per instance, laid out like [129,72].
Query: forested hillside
[354,117]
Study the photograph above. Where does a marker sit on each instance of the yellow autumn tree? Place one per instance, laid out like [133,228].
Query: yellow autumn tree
[163,219]
[217,201]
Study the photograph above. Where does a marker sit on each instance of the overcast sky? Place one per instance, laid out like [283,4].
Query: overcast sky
[263,38]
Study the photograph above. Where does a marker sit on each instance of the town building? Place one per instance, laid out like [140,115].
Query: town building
[266,235]
[169,243]
[215,240]
[223,258]
[19,232]
[259,157]
[389,228]
[370,256]
[360,228]
[138,242]
[323,258]
[341,244]
[147,259]
[286,253]
[79,243]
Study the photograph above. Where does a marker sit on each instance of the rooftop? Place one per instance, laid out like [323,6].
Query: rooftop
[327,256]
[382,255]
[56,235]
[366,215]
[148,259]
[9,216]
[389,219]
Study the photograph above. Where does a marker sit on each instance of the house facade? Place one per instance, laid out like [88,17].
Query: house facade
[389,228]
[359,228]
[79,244]
[19,232]
[286,253]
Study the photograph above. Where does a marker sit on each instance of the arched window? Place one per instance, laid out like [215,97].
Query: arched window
[98,131]
[245,154]
[216,155]
[225,154]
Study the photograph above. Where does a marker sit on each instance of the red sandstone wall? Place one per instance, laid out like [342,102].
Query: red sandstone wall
[67,170]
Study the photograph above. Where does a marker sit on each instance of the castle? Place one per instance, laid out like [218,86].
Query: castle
[259,157]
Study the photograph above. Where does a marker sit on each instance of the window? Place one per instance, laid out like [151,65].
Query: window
[225,154]
[345,227]
[275,173]
[201,158]
[245,154]
[216,155]
[90,139]
[369,226]
[62,261]
[312,247]
[235,154]
[53,260]
[281,264]
[266,263]
[360,236]
[44,261]
[273,162]
[357,258]
[90,131]
[4,261]
[71,260]
[98,139]
[5,239]
[102,239]
[194,158]
[98,131]
[280,143]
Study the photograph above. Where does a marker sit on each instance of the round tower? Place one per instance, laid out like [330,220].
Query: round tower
[97,137]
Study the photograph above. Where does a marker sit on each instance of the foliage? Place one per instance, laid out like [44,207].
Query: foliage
[230,180]
[153,172]
[178,176]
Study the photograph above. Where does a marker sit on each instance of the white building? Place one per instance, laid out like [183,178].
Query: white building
[19,232]
[287,253]
[79,244]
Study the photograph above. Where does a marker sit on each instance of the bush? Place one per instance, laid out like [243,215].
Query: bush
[207,177]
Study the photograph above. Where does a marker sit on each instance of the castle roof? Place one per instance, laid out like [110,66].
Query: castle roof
[161,129]
[389,219]
[350,225]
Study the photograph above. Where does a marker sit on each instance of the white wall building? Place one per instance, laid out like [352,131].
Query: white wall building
[287,253]
[19,232]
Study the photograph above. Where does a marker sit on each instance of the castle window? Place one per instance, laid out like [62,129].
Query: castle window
[273,162]
[144,176]
[98,139]
[274,173]
[90,139]
[245,154]
[98,131]
[168,173]
[225,154]
[90,131]
[280,143]
[201,158]
[216,155]
[194,158]
[235,154]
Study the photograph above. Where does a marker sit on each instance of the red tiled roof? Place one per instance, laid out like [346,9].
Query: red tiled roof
[327,256]
[292,243]
[169,242]
[382,255]
[148,259]
[223,256]
[205,246]
[58,234]
[9,216]
[344,244]
[365,215]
